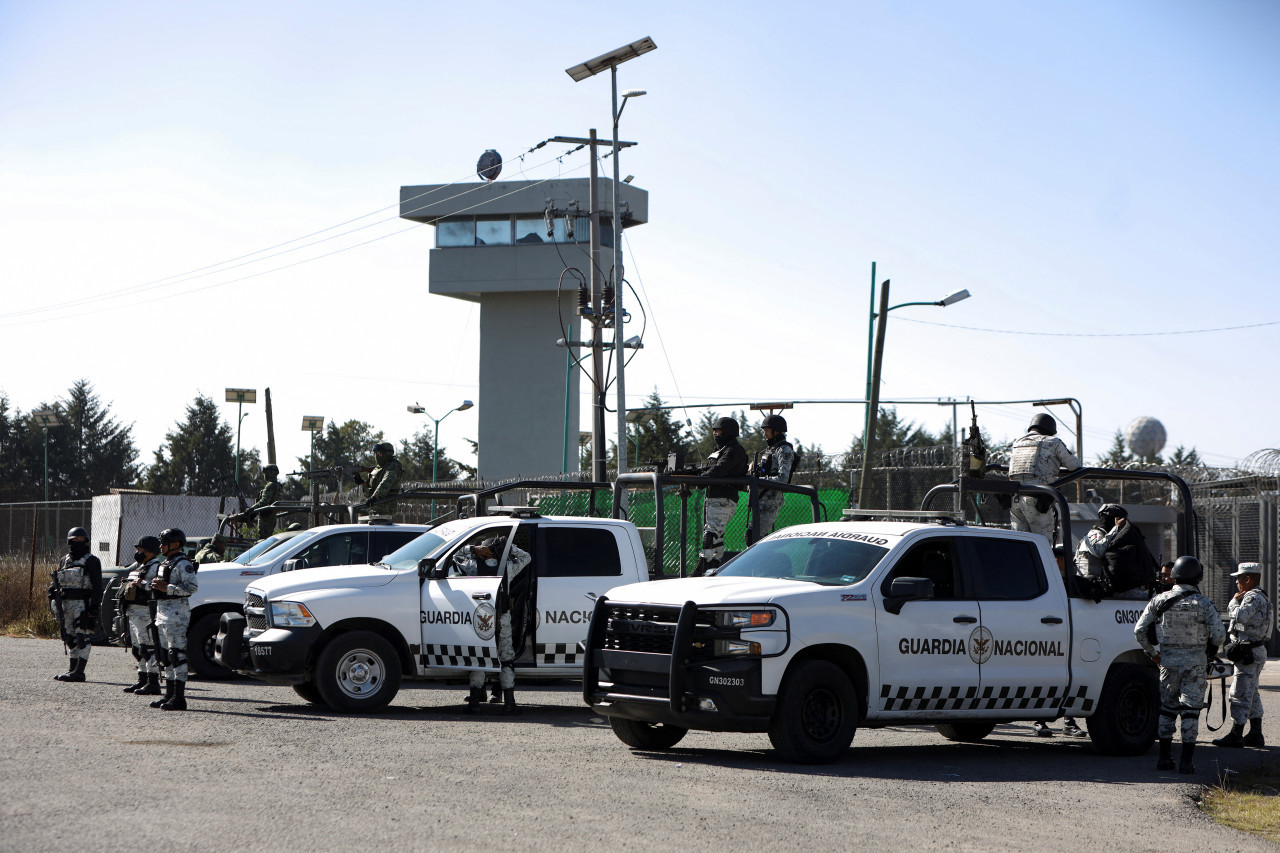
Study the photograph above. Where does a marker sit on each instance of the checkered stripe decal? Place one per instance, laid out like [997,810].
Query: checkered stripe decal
[549,653]
[459,656]
[1079,702]
[902,698]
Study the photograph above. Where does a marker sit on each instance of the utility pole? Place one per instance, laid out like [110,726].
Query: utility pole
[271,432]
[873,401]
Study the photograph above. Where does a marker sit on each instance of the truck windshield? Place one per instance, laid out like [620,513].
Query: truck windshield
[281,538]
[407,556]
[246,557]
[830,562]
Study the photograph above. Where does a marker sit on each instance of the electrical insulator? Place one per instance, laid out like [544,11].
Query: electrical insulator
[608,299]
[584,301]
[568,226]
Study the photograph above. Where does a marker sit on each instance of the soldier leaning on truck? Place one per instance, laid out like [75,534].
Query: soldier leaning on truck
[74,594]
[1034,460]
[382,482]
[173,585]
[1185,624]
[1250,626]
[775,462]
[134,604]
[214,552]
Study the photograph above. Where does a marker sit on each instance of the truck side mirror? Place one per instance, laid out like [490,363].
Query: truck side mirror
[426,566]
[902,590]
[293,565]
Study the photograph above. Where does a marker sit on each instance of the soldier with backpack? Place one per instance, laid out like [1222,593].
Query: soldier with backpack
[1115,557]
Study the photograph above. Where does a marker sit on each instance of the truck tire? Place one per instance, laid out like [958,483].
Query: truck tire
[309,693]
[202,636]
[357,672]
[966,732]
[638,734]
[1128,711]
[817,714]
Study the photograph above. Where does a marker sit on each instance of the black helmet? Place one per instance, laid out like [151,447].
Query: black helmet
[1044,424]
[1111,512]
[777,423]
[384,447]
[271,470]
[76,532]
[1187,570]
[148,543]
[173,534]
[728,426]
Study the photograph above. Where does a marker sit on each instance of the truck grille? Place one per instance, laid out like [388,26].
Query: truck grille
[255,612]
[640,629]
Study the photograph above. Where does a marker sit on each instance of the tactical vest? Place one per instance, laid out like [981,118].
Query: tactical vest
[166,573]
[1028,459]
[768,466]
[74,580]
[1182,626]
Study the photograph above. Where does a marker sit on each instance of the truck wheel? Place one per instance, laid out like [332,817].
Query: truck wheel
[817,714]
[357,672]
[202,636]
[309,693]
[965,732]
[1128,708]
[638,734]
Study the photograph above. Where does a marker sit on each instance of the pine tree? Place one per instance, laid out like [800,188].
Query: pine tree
[198,456]
[1118,456]
[1187,458]
[415,456]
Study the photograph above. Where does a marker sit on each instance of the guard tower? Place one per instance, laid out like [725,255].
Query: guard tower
[492,248]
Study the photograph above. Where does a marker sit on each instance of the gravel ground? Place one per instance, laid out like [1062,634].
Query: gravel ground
[252,767]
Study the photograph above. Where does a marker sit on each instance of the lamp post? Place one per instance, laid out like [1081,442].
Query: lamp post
[873,401]
[313,424]
[240,396]
[46,418]
[435,438]
[578,73]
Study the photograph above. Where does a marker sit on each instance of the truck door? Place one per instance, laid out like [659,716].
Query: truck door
[927,656]
[1025,666]
[572,560]
[459,616]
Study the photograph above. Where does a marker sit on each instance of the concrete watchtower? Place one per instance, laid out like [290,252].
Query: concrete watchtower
[492,248]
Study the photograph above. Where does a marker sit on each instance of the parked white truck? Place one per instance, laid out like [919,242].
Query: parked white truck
[819,629]
[346,636]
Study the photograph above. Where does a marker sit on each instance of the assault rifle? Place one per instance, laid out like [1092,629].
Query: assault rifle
[975,450]
[55,593]
[335,471]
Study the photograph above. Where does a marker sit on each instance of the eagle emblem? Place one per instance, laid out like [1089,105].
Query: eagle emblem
[484,619]
[980,642]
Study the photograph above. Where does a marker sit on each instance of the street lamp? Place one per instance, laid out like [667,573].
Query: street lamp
[873,401]
[240,396]
[415,409]
[580,72]
[46,418]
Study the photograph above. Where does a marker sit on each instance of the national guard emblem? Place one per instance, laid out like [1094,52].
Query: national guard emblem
[484,619]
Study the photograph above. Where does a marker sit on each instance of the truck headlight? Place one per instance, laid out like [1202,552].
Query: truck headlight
[745,618]
[290,614]
[726,648]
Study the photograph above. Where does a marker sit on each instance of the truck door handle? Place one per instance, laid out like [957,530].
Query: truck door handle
[481,596]
[1052,620]
[965,620]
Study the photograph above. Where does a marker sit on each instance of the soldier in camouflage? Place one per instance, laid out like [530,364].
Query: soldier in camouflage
[1035,459]
[213,552]
[134,603]
[775,462]
[728,460]
[1250,626]
[382,482]
[261,508]
[469,561]
[74,595]
[1185,623]
[173,585]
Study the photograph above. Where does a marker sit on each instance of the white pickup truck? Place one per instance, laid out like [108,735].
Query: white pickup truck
[346,636]
[821,628]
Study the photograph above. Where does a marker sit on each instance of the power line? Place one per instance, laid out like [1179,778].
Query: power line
[1093,334]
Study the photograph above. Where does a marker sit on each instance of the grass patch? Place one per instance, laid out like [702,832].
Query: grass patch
[24,607]
[1249,801]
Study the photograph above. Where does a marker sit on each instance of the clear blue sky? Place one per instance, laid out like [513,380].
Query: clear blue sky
[1082,168]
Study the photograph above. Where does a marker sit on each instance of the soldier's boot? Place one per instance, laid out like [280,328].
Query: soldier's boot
[1254,737]
[1184,762]
[142,682]
[179,700]
[71,667]
[169,688]
[1165,762]
[509,706]
[497,695]
[152,686]
[474,701]
[1233,738]
[76,673]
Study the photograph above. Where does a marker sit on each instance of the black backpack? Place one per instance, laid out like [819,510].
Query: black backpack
[1129,563]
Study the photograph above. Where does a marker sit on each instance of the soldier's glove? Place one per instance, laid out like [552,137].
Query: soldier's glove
[53,592]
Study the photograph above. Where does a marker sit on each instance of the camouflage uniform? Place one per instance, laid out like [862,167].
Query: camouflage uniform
[81,581]
[383,481]
[1035,459]
[1091,550]
[774,463]
[207,554]
[173,614]
[1182,634]
[137,613]
[517,560]
[728,460]
[1250,622]
[266,519]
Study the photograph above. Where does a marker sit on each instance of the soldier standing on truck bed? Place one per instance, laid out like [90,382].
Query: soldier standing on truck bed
[1184,623]
[74,595]
[1034,460]
[174,584]
[134,604]
[261,508]
[728,460]
[1250,614]
[776,462]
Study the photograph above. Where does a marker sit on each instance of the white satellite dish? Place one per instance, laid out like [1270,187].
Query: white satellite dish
[1145,436]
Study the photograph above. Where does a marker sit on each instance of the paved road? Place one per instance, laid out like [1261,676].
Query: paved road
[86,767]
